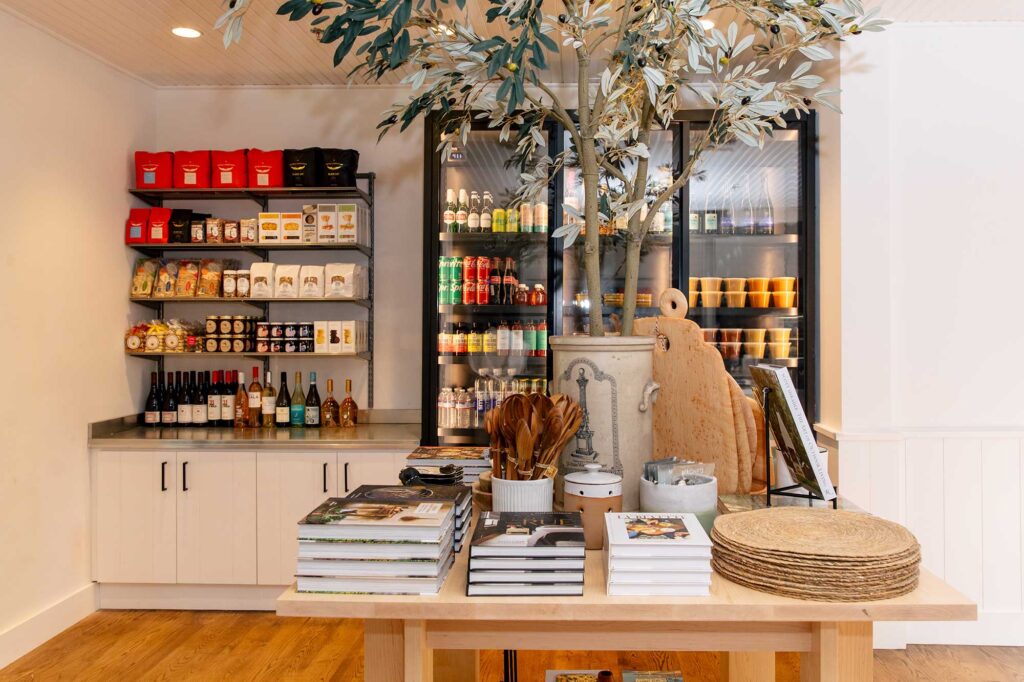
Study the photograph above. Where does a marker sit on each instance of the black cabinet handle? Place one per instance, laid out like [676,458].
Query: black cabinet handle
[184,476]
[163,477]
[346,476]
[325,476]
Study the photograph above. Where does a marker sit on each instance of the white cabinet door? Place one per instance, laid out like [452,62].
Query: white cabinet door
[368,467]
[217,517]
[289,485]
[134,516]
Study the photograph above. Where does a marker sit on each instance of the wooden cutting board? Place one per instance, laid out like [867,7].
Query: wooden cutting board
[701,413]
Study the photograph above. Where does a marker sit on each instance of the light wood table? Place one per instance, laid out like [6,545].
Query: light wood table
[835,640]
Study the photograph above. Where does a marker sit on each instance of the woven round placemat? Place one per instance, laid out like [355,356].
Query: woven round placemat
[826,533]
[819,554]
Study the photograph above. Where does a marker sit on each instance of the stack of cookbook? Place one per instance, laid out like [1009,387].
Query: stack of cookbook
[473,461]
[526,553]
[367,545]
[657,555]
[459,495]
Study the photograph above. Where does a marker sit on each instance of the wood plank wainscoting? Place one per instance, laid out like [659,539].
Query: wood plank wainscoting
[210,645]
[962,494]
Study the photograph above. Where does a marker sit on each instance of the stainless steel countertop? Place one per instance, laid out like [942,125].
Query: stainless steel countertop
[126,434]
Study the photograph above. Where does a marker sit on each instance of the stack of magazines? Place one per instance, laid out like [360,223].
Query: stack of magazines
[368,546]
[459,495]
[430,459]
[526,553]
[664,554]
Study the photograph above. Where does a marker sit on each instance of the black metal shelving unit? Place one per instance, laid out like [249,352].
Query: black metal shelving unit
[263,197]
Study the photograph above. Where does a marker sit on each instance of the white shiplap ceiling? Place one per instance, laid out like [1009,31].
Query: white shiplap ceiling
[134,36]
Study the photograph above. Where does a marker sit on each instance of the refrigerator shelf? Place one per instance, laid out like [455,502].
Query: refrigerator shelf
[492,237]
[469,309]
[489,361]
[745,239]
[743,312]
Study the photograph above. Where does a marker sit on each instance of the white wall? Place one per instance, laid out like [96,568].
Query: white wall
[68,126]
[268,118]
[932,419]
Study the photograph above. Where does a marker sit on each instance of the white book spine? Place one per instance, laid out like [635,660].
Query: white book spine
[806,434]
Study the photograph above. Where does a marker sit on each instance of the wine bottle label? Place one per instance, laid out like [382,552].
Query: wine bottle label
[298,415]
[268,405]
[227,408]
[199,414]
[312,416]
[517,340]
[282,415]
[184,414]
[213,406]
[169,417]
[255,399]
[152,417]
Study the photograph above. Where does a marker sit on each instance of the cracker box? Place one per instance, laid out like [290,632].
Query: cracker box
[353,224]
[320,338]
[334,337]
[269,227]
[327,223]
[291,228]
[309,221]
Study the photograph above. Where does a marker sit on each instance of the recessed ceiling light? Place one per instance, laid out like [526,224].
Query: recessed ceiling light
[185,32]
[707,24]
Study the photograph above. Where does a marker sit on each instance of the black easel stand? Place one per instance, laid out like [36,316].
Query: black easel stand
[770,465]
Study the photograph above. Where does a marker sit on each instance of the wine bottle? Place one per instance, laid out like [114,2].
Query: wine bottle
[241,403]
[152,411]
[329,411]
[213,400]
[349,411]
[298,406]
[283,407]
[169,408]
[200,415]
[184,402]
[312,403]
[227,398]
[255,399]
[268,403]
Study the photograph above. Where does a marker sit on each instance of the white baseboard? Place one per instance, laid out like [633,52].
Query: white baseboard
[189,597]
[991,629]
[48,623]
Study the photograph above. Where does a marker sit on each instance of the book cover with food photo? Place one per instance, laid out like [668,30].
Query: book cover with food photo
[413,521]
[528,533]
[656,534]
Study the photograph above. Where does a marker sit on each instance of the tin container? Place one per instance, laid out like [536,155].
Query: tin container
[212,324]
[593,493]
[224,345]
[291,345]
[276,345]
[212,343]
[262,330]
[291,330]
[277,330]
[224,324]
[305,330]
[238,324]
[306,345]
[263,345]
[238,344]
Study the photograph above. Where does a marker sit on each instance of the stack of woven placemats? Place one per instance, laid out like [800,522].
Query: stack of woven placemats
[819,554]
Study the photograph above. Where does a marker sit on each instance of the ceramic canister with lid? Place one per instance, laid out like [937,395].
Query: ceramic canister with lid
[593,493]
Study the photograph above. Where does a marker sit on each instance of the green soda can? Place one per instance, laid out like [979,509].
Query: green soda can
[455,292]
[444,290]
[498,220]
[443,273]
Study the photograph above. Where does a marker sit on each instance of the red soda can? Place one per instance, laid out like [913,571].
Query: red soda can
[469,292]
[483,292]
[468,268]
[483,268]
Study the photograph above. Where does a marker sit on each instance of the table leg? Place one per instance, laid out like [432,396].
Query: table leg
[748,666]
[452,665]
[383,650]
[419,659]
[839,651]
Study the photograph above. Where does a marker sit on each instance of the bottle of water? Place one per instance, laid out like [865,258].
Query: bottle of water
[462,409]
[480,396]
[764,211]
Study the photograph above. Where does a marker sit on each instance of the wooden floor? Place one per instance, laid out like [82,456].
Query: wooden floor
[188,645]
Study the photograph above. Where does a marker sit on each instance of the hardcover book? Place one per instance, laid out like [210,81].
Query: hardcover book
[437,455]
[790,429]
[343,519]
[516,534]
[656,535]
[459,495]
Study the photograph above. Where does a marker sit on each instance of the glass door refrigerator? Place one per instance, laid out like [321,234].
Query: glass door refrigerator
[487,310]
[751,270]
[659,258]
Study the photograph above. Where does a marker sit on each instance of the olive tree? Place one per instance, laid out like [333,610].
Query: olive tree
[634,60]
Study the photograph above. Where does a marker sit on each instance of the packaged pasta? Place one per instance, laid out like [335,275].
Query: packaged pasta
[144,277]
[188,279]
[211,272]
[166,279]
[286,281]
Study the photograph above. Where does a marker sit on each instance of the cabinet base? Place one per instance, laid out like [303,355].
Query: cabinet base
[189,597]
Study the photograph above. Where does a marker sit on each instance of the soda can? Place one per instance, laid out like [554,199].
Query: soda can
[468,268]
[498,220]
[483,292]
[455,267]
[483,268]
[468,292]
[455,293]
[443,274]
[444,291]
[525,217]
